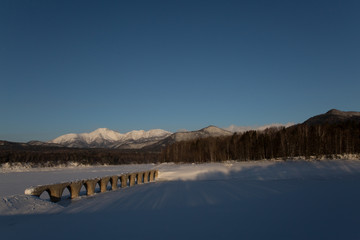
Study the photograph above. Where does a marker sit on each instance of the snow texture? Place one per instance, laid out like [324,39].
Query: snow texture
[106,137]
[241,129]
[210,131]
[252,200]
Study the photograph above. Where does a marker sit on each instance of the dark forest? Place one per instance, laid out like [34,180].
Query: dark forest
[280,143]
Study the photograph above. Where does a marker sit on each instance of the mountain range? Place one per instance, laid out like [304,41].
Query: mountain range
[106,138]
[158,138]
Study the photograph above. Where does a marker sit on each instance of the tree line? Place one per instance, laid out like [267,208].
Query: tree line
[273,143]
[48,157]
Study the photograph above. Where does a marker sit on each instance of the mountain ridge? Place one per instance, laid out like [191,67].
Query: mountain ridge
[136,139]
[155,139]
[333,116]
[106,138]
[209,131]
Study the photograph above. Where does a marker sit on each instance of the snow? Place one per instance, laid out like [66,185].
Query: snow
[100,133]
[210,131]
[215,131]
[104,135]
[231,200]
[140,134]
[13,205]
[241,129]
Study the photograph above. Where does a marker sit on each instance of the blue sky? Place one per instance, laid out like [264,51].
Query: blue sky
[74,66]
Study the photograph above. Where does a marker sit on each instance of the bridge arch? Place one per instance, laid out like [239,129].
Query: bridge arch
[66,193]
[83,189]
[45,195]
[108,185]
[119,182]
[143,177]
[97,188]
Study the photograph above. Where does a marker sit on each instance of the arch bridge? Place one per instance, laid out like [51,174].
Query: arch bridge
[56,190]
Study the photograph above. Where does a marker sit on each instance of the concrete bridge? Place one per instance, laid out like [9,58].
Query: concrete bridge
[56,190]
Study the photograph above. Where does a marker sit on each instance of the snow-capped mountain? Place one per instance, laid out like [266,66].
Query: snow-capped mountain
[106,138]
[210,131]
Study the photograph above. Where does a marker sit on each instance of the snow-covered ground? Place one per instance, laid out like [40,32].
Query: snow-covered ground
[252,200]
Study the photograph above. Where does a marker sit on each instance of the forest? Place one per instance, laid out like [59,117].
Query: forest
[274,143]
[48,157]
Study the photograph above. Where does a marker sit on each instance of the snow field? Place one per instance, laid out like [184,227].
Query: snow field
[252,200]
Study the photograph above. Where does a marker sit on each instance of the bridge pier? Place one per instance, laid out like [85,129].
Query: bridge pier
[55,194]
[151,173]
[146,177]
[114,180]
[75,188]
[55,191]
[140,178]
[90,186]
[132,179]
[103,183]
[124,179]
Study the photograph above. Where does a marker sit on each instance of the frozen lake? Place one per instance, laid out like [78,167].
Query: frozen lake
[252,200]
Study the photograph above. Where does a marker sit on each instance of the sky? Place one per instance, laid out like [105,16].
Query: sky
[75,66]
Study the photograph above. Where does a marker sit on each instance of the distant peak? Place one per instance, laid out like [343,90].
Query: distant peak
[342,113]
[182,130]
[103,130]
[333,116]
[334,111]
[211,126]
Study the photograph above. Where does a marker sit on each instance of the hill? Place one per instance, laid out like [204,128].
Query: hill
[333,116]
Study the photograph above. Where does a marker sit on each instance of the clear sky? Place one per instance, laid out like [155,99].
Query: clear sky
[75,66]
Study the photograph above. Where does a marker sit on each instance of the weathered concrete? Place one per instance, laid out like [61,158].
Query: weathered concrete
[132,177]
[113,180]
[75,188]
[152,174]
[146,176]
[103,183]
[90,186]
[123,179]
[55,191]
[140,178]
